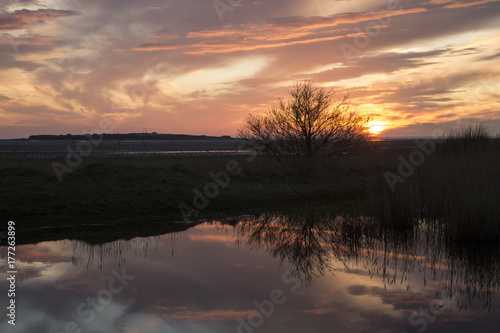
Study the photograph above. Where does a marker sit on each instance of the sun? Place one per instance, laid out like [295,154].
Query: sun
[376,127]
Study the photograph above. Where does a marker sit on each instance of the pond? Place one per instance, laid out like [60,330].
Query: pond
[267,274]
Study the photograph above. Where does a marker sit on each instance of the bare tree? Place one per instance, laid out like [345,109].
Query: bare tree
[307,126]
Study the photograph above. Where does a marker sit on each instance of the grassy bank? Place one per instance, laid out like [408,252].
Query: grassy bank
[142,195]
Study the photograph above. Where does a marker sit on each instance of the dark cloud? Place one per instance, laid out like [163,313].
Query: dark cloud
[491,57]
[358,289]
[378,63]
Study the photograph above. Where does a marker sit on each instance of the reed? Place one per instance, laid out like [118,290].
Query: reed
[458,186]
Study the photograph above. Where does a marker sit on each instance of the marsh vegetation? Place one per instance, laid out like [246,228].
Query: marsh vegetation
[457,186]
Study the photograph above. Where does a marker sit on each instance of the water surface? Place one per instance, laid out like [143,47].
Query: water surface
[272,274]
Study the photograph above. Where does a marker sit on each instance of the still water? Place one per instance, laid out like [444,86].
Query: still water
[266,274]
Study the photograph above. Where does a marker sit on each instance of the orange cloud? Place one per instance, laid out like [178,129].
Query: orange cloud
[157,46]
[273,34]
[183,313]
[439,2]
[242,47]
[462,4]
[26,18]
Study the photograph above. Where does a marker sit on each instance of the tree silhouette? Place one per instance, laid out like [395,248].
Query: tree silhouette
[307,126]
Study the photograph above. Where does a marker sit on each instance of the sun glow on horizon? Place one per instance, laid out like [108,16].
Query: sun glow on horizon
[376,127]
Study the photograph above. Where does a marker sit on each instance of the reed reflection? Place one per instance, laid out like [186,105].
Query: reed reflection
[315,245]
[97,255]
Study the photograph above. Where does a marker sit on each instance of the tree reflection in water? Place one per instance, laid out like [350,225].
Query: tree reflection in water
[315,245]
[306,242]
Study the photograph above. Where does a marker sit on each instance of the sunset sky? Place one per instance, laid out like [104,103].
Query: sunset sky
[200,67]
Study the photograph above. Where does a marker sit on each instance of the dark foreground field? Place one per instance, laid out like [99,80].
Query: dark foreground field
[454,186]
[127,197]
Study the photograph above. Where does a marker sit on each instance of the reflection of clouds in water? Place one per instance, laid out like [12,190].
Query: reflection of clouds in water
[314,246]
[36,318]
[145,323]
[201,280]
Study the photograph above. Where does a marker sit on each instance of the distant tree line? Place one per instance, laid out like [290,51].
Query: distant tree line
[130,136]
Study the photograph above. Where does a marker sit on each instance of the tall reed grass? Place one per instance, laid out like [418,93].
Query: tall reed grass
[458,186]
